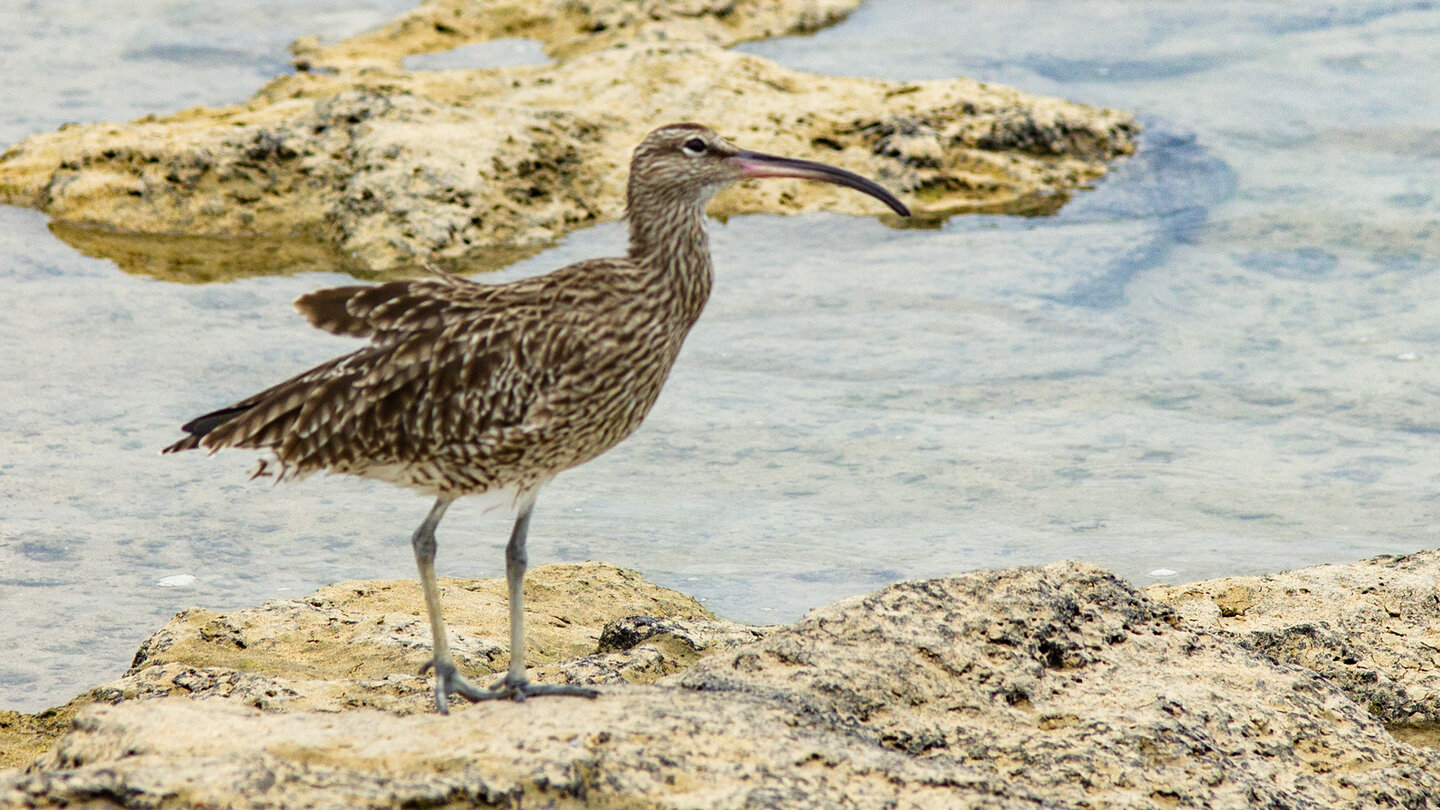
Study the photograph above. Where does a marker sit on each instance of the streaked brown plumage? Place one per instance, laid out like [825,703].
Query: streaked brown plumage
[466,388]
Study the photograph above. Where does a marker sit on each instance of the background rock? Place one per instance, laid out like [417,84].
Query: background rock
[569,28]
[390,168]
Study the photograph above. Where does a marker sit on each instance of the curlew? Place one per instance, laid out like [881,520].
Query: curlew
[467,388]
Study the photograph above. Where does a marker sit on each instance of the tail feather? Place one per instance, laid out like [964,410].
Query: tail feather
[187,443]
[260,420]
[402,319]
[200,426]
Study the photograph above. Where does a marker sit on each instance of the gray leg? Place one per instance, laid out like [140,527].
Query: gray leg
[516,561]
[447,680]
[515,684]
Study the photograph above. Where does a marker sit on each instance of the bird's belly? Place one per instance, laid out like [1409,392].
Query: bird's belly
[511,460]
[437,477]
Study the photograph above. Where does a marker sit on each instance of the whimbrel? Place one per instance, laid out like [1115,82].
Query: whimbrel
[467,388]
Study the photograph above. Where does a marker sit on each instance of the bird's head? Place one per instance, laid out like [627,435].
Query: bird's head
[686,164]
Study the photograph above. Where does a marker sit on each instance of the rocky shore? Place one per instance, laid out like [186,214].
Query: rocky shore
[356,162]
[1061,686]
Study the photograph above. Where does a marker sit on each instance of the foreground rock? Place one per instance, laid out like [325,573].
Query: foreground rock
[384,168]
[1060,686]
[1372,628]
[361,644]
[360,631]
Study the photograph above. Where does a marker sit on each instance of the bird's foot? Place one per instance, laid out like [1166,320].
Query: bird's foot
[448,681]
[520,688]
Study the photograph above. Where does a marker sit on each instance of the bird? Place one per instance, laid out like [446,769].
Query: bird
[465,388]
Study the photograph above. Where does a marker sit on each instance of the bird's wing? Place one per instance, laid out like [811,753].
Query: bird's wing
[452,367]
[389,311]
[365,310]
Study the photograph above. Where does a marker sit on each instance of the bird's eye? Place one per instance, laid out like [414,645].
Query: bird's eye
[693,147]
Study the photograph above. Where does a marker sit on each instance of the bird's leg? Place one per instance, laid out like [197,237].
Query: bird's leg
[516,561]
[447,680]
[515,684]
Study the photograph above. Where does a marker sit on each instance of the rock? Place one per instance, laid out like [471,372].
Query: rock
[642,648]
[362,643]
[23,737]
[370,629]
[1070,688]
[1372,628]
[389,168]
[568,28]
[1060,686]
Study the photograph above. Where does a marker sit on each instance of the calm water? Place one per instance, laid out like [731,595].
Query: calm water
[1222,360]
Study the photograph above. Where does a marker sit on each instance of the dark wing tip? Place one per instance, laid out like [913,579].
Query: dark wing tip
[187,443]
[202,425]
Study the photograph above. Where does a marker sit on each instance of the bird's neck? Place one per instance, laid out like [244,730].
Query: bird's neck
[673,248]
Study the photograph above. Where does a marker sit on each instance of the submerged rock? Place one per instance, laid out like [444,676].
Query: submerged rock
[391,167]
[1060,686]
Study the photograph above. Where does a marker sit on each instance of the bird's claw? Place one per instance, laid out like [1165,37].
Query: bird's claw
[448,681]
[521,688]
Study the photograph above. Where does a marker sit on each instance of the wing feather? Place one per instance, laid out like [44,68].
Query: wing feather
[453,369]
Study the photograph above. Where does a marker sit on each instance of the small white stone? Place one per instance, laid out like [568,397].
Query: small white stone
[1164,572]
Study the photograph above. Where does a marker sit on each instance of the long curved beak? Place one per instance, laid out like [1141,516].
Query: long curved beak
[758,164]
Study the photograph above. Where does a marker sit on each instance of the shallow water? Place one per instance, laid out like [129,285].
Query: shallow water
[1221,360]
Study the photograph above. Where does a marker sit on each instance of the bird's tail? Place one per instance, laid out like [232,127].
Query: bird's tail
[198,427]
[265,419]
